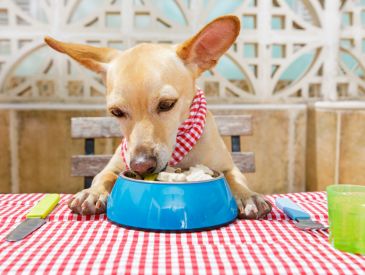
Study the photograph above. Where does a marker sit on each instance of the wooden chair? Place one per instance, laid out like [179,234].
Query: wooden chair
[89,128]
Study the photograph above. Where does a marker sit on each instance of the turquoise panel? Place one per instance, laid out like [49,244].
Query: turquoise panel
[85,8]
[277,51]
[363,18]
[349,61]
[277,23]
[298,67]
[171,10]
[223,7]
[228,69]
[248,22]
[346,19]
[142,21]
[32,64]
[249,50]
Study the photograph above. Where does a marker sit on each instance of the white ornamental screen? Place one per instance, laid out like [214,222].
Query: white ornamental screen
[288,50]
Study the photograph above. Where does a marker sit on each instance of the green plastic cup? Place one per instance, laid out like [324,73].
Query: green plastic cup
[346,215]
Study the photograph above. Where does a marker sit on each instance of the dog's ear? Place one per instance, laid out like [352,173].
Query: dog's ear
[210,43]
[93,58]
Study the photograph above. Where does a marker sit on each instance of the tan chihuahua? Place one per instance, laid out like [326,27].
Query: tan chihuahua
[150,88]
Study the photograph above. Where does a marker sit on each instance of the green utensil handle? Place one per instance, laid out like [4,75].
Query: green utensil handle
[44,206]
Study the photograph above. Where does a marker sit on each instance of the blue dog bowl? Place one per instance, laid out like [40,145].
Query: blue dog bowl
[164,206]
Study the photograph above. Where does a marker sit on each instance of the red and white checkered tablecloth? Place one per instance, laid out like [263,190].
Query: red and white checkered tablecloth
[73,244]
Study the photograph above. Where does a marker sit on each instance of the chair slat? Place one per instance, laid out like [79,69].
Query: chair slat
[94,127]
[106,127]
[234,125]
[90,165]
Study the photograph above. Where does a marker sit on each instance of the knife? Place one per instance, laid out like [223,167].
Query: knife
[294,212]
[35,218]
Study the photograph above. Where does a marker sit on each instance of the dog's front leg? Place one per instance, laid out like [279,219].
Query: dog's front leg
[250,204]
[93,200]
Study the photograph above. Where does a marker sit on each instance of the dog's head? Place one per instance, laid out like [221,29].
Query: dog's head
[150,87]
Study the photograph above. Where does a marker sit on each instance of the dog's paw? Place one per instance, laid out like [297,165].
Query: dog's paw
[88,202]
[252,207]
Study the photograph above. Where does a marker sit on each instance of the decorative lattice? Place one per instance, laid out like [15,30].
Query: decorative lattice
[288,50]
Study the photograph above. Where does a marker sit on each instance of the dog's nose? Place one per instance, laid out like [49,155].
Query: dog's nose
[143,164]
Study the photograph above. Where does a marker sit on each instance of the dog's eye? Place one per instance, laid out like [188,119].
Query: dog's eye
[118,112]
[166,105]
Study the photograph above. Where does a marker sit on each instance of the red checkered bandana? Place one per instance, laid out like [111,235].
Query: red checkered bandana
[189,131]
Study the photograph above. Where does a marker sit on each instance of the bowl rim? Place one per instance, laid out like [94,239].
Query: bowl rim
[121,175]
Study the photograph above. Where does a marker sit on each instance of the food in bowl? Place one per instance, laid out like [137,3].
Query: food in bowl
[198,172]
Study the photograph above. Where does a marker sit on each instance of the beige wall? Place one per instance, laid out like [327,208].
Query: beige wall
[43,151]
[296,148]
[278,142]
[336,146]
[5,175]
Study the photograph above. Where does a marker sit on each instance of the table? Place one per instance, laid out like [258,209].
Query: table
[72,244]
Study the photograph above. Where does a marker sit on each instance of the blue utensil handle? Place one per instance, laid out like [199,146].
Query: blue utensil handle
[291,209]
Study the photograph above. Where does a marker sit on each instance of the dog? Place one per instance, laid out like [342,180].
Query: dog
[149,89]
